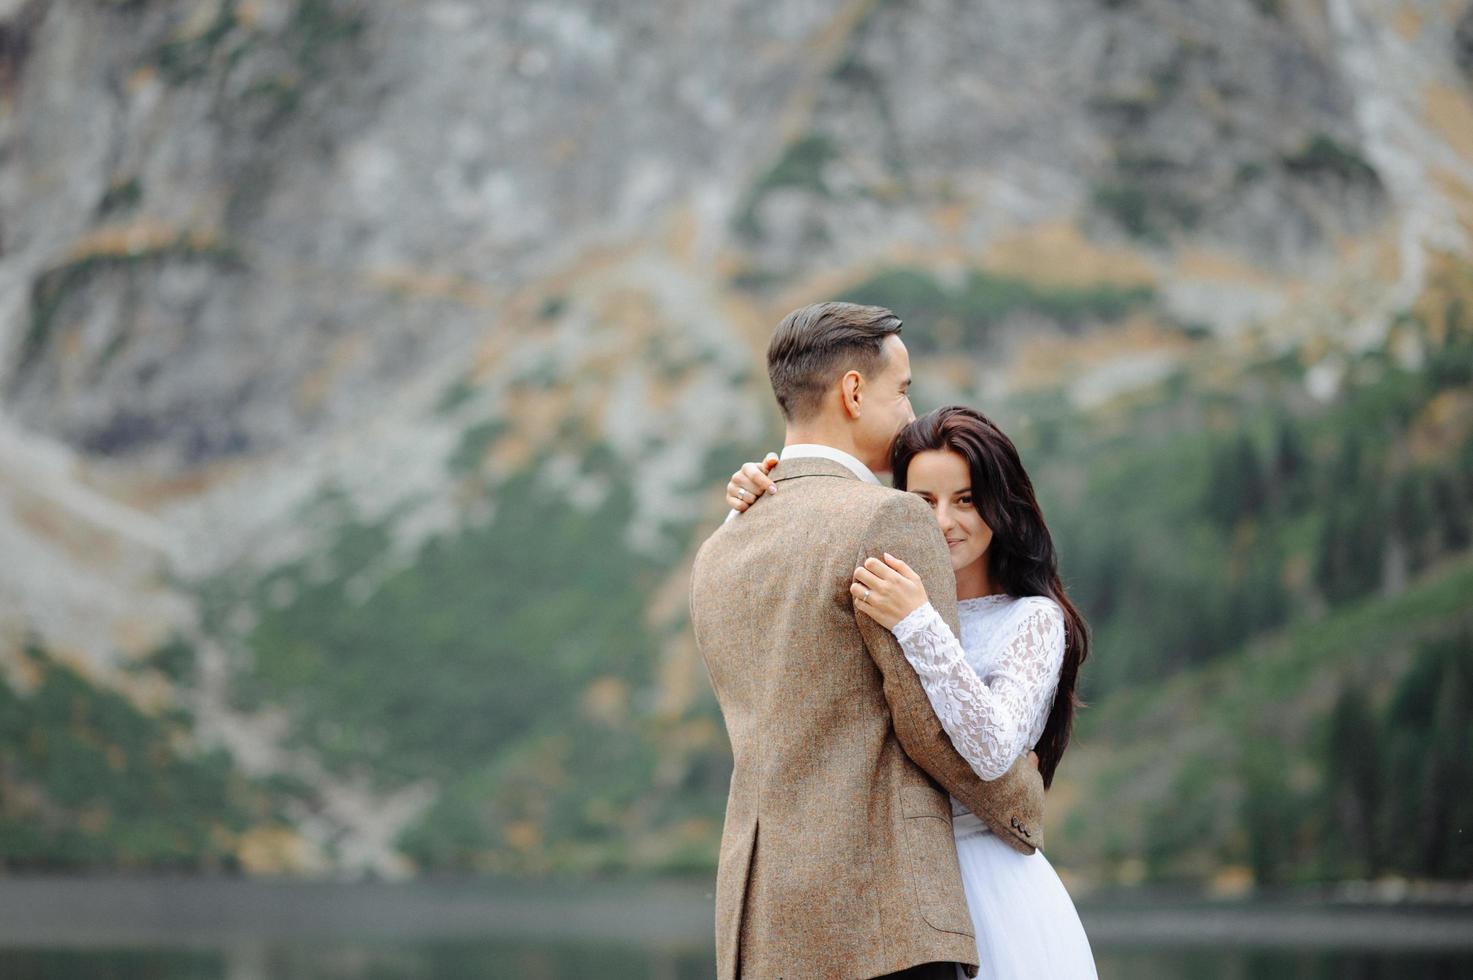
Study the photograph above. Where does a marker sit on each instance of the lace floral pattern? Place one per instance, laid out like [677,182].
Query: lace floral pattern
[993,694]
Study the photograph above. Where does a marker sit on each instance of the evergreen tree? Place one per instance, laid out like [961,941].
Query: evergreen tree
[1429,738]
[1237,488]
[1290,468]
[1413,518]
[1352,545]
[1451,508]
[1268,814]
[1353,778]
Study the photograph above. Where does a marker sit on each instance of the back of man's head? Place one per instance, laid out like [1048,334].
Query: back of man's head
[816,345]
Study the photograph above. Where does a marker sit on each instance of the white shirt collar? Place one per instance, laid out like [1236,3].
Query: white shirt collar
[802,449]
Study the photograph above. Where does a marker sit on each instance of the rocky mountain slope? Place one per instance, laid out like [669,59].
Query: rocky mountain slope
[369,369]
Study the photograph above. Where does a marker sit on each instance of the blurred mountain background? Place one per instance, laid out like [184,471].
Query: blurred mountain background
[370,371]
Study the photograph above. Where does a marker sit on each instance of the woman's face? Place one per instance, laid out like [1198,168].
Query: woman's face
[943,479]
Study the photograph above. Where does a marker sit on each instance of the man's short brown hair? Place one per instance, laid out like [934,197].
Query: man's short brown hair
[814,345]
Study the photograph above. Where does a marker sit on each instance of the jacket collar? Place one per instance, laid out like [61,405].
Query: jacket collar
[813,452]
[801,466]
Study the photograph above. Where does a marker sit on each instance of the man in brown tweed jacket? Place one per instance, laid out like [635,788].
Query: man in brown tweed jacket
[837,858]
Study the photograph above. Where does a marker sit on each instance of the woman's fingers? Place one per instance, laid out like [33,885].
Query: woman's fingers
[901,567]
[770,460]
[746,485]
[736,497]
[879,568]
[868,578]
[756,479]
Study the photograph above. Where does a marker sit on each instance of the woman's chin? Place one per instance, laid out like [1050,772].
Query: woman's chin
[963,557]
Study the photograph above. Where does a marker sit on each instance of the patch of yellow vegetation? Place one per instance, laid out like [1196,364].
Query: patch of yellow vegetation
[199,20]
[1457,192]
[694,830]
[669,602]
[1231,881]
[1215,266]
[523,835]
[1408,22]
[135,635]
[631,311]
[1057,253]
[412,283]
[606,700]
[1444,426]
[535,417]
[1043,360]
[145,491]
[680,677]
[141,78]
[149,692]
[1297,571]
[1449,112]
[139,237]
[950,219]
[248,13]
[274,850]
[1449,282]
[78,663]
[95,817]
[563,150]
[1063,797]
[682,234]
[83,542]
[1130,872]
[21,673]
[316,385]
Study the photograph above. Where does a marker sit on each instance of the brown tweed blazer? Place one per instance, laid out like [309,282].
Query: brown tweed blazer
[837,858]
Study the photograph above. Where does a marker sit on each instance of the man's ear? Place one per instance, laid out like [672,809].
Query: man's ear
[851,388]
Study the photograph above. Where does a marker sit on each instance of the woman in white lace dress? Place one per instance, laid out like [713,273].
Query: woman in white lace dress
[1006,686]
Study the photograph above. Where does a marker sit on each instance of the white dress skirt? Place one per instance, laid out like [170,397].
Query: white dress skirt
[992,689]
[1027,928]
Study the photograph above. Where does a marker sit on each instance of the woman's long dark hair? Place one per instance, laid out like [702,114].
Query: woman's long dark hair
[1021,558]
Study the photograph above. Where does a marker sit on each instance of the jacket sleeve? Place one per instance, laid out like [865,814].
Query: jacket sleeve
[1011,805]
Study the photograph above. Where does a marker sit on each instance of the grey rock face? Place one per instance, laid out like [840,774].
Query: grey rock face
[227,223]
[1164,121]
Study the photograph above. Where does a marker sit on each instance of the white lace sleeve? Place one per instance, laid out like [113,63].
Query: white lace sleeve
[989,719]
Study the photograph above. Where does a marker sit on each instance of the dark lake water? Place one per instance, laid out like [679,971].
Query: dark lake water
[228,930]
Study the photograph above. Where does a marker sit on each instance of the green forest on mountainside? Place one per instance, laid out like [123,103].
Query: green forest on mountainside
[87,780]
[1332,749]
[1191,523]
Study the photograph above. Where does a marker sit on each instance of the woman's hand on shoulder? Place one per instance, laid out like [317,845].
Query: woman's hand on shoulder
[887,591]
[750,482]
